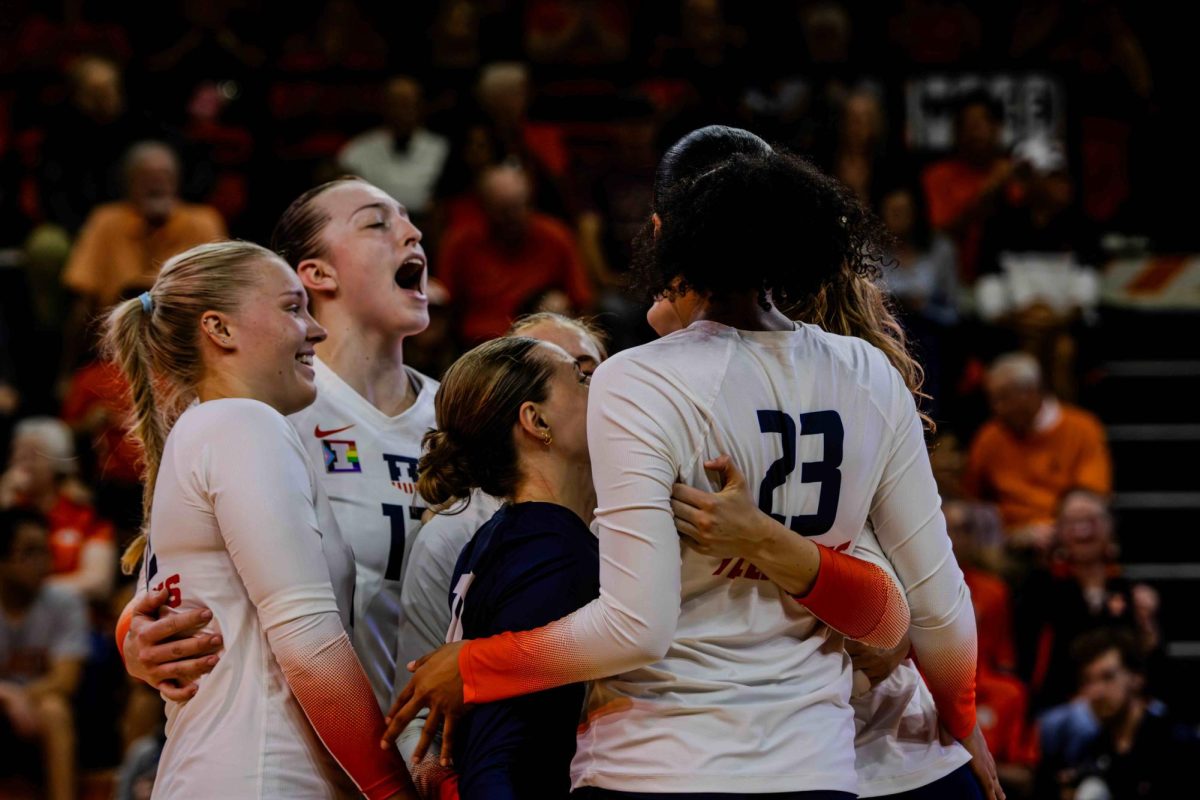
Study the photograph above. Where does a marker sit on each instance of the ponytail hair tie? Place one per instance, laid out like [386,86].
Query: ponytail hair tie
[147,302]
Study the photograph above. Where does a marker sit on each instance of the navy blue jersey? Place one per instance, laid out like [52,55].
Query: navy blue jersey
[533,563]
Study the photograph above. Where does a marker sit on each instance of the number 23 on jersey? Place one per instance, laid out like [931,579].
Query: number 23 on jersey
[826,472]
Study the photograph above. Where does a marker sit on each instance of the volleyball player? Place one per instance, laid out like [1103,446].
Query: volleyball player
[734,688]
[899,747]
[512,425]
[216,354]
[361,261]
[427,582]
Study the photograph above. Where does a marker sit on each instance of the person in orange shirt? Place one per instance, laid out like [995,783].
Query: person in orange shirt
[495,271]
[83,551]
[1033,450]
[124,243]
[970,186]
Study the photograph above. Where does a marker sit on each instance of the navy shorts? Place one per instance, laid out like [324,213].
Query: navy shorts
[958,785]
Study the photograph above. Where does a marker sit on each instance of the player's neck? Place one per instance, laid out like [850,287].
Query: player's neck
[744,312]
[549,480]
[373,366]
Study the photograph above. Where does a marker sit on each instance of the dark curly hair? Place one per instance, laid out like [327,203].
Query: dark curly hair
[768,222]
[852,303]
[700,151]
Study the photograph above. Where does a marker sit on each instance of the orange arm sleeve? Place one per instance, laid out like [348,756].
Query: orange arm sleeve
[858,600]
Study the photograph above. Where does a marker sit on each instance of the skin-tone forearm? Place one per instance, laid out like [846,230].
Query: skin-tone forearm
[790,561]
[730,525]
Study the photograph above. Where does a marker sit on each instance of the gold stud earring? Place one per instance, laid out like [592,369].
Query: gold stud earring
[547,439]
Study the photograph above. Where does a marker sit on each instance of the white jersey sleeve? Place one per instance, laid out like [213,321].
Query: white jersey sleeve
[634,428]
[240,526]
[367,463]
[907,518]
[897,736]
[425,596]
[273,538]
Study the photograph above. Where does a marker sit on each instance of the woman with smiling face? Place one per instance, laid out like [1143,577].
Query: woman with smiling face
[217,353]
[362,264]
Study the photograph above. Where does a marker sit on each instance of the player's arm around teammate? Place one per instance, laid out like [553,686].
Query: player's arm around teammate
[216,353]
[729,524]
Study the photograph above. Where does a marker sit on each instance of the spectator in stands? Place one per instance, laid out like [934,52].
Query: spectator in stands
[922,277]
[1035,263]
[706,51]
[401,157]
[1082,590]
[1032,450]
[619,196]
[1046,220]
[504,96]
[858,157]
[1135,751]
[81,155]
[98,409]
[494,271]
[579,33]
[39,477]
[124,243]
[43,643]
[341,36]
[969,187]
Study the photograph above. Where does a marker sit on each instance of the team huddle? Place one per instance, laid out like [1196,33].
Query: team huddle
[657,575]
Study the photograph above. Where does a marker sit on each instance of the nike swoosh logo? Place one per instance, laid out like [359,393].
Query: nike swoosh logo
[320,434]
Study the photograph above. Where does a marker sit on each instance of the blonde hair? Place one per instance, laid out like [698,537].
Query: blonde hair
[585,325]
[855,305]
[156,345]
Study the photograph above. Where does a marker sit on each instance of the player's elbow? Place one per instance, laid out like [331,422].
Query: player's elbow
[891,627]
[650,642]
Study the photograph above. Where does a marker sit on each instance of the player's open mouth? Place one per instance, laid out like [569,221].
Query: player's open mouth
[305,358]
[410,274]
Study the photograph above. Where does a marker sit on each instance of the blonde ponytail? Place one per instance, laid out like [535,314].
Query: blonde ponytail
[155,341]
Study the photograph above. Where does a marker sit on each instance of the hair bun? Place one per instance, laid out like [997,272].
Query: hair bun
[444,470]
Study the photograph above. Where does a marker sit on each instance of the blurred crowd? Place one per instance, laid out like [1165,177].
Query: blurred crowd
[1010,150]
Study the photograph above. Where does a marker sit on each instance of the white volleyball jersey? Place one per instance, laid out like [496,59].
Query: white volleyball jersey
[734,687]
[897,742]
[426,593]
[368,466]
[241,526]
